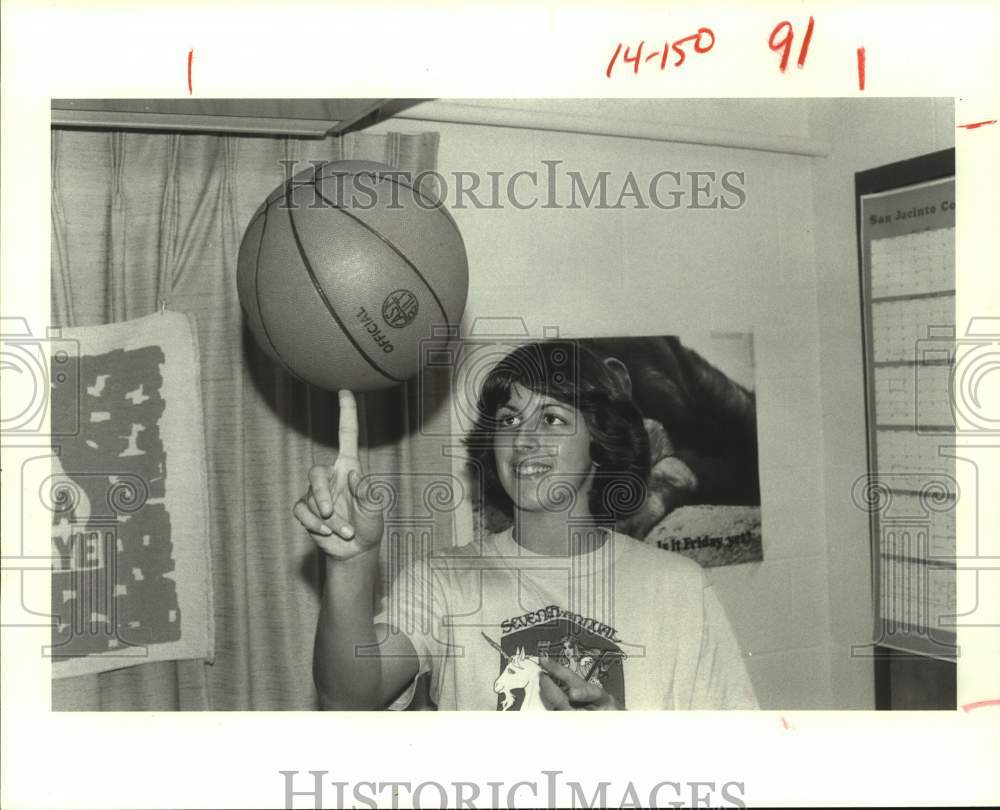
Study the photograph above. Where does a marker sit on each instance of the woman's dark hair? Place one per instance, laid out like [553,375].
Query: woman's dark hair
[569,372]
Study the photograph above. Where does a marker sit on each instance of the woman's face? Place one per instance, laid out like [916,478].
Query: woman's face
[542,451]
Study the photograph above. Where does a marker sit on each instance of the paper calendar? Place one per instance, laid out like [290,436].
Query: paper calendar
[908,285]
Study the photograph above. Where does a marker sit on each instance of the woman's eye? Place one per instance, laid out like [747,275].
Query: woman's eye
[507,420]
[554,419]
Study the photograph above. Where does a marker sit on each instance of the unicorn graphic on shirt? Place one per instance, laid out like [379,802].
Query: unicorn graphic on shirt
[521,672]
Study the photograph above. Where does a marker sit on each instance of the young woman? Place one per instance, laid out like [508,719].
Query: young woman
[551,608]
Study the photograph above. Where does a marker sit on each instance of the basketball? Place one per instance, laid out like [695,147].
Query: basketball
[346,271]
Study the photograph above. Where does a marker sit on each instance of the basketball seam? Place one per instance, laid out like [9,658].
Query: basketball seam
[288,186]
[328,305]
[435,204]
[260,311]
[395,250]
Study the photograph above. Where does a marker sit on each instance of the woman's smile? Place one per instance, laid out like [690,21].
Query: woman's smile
[532,468]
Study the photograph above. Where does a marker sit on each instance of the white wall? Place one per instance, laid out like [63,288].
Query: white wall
[594,272]
[864,134]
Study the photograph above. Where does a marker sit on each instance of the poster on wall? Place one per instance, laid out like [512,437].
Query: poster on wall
[698,403]
[131,573]
[907,243]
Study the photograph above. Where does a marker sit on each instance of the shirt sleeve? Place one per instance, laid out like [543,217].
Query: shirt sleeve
[414,607]
[721,680]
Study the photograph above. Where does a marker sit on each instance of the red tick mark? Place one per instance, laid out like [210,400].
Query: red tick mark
[968,707]
[786,725]
[190,60]
[976,126]
[805,43]
[861,68]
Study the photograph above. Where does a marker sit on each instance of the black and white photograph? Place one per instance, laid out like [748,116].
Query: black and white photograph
[349,405]
[435,384]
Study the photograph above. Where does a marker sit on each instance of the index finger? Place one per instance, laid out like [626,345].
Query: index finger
[348,431]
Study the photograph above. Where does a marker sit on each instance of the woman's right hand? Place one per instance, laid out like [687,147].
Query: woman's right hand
[335,510]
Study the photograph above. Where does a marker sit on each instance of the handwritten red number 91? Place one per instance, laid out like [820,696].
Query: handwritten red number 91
[781,41]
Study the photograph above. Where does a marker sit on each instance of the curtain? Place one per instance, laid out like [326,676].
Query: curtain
[142,221]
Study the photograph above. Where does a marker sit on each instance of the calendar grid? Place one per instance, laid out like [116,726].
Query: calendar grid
[909,299]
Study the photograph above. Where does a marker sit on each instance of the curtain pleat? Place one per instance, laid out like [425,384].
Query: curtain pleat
[118,304]
[62,288]
[168,223]
[144,218]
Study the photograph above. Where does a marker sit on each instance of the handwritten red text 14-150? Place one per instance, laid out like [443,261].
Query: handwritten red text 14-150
[625,55]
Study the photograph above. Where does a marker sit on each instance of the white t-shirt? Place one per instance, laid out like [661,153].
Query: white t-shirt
[640,621]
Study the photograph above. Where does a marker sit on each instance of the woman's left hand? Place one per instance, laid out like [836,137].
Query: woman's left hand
[564,690]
